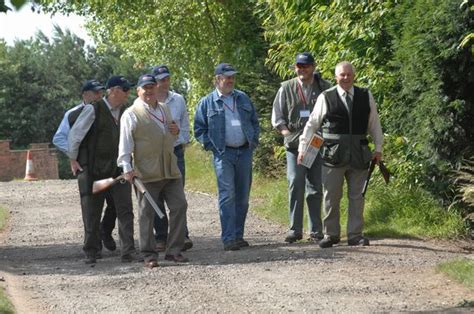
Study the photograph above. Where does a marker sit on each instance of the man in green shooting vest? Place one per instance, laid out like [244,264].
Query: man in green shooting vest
[346,113]
[291,108]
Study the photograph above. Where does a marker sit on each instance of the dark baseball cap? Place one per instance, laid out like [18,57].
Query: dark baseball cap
[161,71]
[225,69]
[304,58]
[92,85]
[146,79]
[118,80]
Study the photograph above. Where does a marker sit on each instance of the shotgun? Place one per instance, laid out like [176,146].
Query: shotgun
[369,174]
[141,188]
[383,170]
[105,184]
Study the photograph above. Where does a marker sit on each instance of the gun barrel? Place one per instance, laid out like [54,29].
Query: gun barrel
[142,189]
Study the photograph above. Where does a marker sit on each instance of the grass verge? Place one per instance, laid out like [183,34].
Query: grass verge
[461,270]
[390,210]
[5,304]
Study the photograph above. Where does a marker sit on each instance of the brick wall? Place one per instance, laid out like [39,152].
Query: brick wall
[13,162]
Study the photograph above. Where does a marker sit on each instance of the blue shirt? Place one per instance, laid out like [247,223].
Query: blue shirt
[209,121]
[234,136]
[61,135]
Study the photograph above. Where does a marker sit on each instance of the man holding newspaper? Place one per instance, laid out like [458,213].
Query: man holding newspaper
[346,113]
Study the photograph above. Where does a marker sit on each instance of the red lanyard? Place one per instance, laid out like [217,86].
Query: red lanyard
[301,94]
[163,120]
[233,105]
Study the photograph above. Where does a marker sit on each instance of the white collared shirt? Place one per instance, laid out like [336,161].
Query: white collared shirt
[374,128]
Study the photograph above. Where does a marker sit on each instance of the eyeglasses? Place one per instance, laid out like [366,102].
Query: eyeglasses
[125,89]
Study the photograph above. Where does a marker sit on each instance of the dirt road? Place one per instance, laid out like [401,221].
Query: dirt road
[41,263]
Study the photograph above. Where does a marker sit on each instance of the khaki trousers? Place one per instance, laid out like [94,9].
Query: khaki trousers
[333,180]
[172,191]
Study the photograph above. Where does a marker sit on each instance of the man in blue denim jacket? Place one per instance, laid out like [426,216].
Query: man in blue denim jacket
[226,123]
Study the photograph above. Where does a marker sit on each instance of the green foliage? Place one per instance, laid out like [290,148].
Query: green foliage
[433,106]
[6,306]
[199,170]
[333,31]
[461,270]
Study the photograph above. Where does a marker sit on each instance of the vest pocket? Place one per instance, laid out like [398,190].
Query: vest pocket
[335,152]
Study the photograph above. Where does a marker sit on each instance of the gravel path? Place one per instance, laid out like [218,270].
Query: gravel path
[42,268]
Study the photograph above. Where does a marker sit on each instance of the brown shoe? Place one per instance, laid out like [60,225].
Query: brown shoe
[179,258]
[151,264]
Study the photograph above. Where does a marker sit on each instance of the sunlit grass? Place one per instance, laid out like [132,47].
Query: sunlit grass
[390,211]
[461,270]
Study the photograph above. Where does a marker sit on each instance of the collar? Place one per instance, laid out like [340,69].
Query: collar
[342,92]
[220,95]
[108,104]
[301,82]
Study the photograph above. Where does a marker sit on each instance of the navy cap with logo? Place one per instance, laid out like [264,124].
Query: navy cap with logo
[161,71]
[304,58]
[225,69]
[92,85]
[118,80]
[146,79]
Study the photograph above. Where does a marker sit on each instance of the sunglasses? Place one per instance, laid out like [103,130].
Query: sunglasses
[303,66]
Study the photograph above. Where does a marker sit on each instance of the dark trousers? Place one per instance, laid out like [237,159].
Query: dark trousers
[161,224]
[92,204]
[107,224]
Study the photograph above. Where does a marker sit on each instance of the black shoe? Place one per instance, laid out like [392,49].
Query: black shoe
[127,258]
[188,244]
[98,255]
[109,243]
[316,237]
[231,246]
[360,240]
[90,259]
[242,243]
[293,237]
[329,241]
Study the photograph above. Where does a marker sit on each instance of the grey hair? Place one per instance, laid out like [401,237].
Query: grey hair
[343,64]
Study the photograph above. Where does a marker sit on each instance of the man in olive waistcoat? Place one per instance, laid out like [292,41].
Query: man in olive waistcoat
[148,133]
[291,108]
[93,150]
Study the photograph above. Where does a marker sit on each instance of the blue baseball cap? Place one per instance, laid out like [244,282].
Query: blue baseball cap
[92,85]
[146,79]
[304,58]
[161,71]
[225,69]
[118,80]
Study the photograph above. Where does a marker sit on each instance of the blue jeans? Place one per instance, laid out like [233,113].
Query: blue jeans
[234,178]
[302,180]
[161,225]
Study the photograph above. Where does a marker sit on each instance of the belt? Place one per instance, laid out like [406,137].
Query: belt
[246,145]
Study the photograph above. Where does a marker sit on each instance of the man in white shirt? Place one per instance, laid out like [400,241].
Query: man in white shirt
[346,113]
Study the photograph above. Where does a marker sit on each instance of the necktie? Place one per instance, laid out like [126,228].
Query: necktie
[348,102]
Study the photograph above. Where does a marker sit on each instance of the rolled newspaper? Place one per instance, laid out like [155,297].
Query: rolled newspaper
[312,150]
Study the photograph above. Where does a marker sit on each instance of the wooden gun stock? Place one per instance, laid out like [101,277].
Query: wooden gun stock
[105,184]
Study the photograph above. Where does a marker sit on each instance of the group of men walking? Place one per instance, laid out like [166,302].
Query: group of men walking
[103,139]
